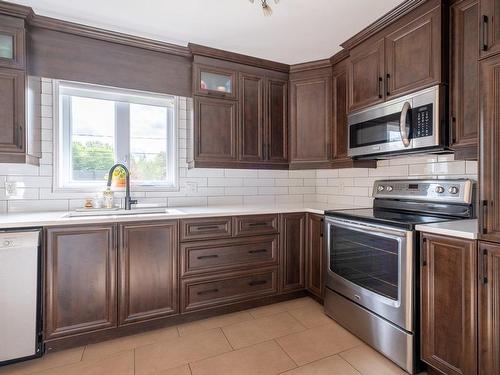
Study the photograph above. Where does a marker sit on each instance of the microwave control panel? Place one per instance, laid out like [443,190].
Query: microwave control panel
[422,121]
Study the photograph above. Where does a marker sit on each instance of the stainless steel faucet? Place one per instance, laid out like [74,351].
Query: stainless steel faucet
[128,201]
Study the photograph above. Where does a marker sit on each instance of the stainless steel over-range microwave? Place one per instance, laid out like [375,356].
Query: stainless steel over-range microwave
[413,123]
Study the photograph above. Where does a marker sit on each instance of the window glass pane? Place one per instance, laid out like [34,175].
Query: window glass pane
[216,82]
[148,142]
[6,46]
[92,138]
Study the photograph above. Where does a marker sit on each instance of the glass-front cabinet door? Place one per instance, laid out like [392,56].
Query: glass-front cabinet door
[12,44]
[214,81]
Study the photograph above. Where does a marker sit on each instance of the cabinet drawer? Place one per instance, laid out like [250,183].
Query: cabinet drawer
[257,224]
[210,256]
[206,228]
[201,293]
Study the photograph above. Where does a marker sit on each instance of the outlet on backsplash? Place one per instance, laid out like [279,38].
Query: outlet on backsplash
[10,189]
[191,187]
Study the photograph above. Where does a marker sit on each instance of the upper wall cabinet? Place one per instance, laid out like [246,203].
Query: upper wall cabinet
[489,23]
[12,43]
[402,58]
[464,79]
[241,115]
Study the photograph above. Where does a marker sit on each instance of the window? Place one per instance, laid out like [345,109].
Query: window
[100,126]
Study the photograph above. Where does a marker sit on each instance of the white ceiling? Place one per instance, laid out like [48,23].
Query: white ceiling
[298,31]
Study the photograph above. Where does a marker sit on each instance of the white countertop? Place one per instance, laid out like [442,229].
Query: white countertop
[46,219]
[467,229]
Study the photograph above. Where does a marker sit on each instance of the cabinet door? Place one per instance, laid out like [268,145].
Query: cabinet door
[315,255]
[489,27]
[251,135]
[293,246]
[490,152]
[464,103]
[366,71]
[277,121]
[215,81]
[12,108]
[12,42]
[413,55]
[311,102]
[449,310]
[80,273]
[215,130]
[340,111]
[148,271]
[489,309]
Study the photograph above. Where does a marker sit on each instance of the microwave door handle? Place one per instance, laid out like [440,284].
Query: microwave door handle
[402,124]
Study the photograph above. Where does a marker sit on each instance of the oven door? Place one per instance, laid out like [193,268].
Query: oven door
[372,266]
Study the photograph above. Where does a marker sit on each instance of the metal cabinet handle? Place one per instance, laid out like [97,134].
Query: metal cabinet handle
[208,256]
[424,253]
[262,224]
[402,124]
[380,80]
[484,267]
[484,33]
[258,282]
[387,78]
[208,227]
[209,291]
[257,251]
[20,138]
[484,221]
[452,129]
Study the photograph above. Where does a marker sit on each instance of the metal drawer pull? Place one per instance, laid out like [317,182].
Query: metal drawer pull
[484,222]
[208,227]
[388,77]
[424,253]
[208,256]
[208,291]
[380,80]
[257,224]
[484,267]
[257,251]
[484,33]
[259,282]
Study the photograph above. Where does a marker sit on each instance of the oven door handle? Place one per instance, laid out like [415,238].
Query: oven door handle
[402,124]
[369,228]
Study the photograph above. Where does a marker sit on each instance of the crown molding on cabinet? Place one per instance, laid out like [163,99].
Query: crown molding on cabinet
[313,65]
[16,10]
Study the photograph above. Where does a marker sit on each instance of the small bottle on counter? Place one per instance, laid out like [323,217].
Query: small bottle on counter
[108,198]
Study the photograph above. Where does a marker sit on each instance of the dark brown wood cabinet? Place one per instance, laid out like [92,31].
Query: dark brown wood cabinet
[449,304]
[489,308]
[215,130]
[277,121]
[148,254]
[80,280]
[464,79]
[293,249]
[489,215]
[315,255]
[12,107]
[366,75]
[311,118]
[12,42]
[489,27]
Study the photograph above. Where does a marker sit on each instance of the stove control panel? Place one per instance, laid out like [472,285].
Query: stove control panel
[456,191]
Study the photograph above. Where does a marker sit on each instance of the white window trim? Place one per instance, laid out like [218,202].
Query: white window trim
[58,185]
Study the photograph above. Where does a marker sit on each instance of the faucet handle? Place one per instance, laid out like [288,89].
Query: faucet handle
[132,201]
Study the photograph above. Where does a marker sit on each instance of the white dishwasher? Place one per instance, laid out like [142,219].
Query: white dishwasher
[20,325]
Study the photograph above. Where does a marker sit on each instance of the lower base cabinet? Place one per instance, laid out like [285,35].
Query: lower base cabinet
[293,251]
[148,254]
[489,308]
[448,304]
[80,281]
[315,259]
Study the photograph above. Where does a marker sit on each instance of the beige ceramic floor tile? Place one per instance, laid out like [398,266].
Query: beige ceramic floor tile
[311,316]
[261,359]
[329,366]
[183,350]
[260,330]
[317,343]
[370,362]
[277,308]
[120,364]
[106,348]
[50,360]
[183,370]
[215,322]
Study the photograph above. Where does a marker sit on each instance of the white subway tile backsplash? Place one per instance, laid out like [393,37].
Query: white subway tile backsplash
[216,181]
[225,201]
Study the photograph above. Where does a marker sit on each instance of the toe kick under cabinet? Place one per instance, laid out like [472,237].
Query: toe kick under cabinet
[108,280]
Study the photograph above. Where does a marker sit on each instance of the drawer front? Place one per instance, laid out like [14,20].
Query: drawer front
[202,293]
[256,224]
[209,256]
[206,228]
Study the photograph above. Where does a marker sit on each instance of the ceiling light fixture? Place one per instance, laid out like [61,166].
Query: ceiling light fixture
[266,8]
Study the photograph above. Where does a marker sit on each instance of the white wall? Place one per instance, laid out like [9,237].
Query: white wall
[222,186]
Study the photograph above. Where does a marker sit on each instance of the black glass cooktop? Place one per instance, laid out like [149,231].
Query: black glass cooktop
[399,219]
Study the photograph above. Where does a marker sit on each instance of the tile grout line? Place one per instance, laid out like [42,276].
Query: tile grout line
[83,353]
[227,339]
[288,355]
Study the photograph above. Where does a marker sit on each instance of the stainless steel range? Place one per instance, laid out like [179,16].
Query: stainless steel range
[372,276]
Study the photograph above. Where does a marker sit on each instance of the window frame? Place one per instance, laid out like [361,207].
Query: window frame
[62,135]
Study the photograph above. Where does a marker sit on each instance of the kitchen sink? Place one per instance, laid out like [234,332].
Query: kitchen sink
[139,210]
